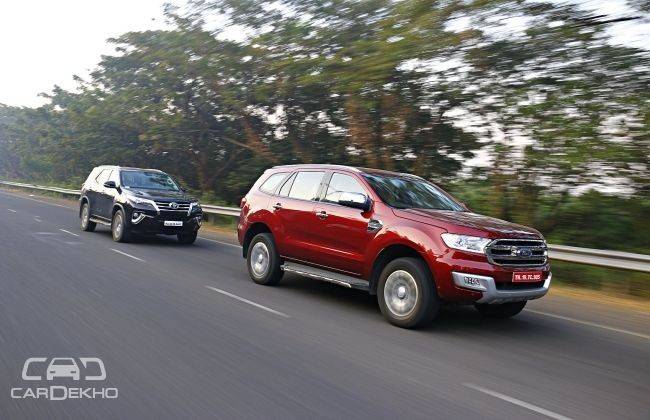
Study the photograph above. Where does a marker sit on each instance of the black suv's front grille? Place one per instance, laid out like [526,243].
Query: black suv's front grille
[517,252]
[173,206]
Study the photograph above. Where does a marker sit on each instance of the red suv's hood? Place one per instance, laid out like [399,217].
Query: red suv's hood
[468,221]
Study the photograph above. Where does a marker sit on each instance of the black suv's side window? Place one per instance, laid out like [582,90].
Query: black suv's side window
[103,176]
[339,184]
[306,185]
[115,177]
[269,186]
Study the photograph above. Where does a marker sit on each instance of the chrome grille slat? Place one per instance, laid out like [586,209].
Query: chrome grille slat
[183,207]
[517,252]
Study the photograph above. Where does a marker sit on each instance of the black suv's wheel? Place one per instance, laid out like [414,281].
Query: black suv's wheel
[120,227]
[502,310]
[263,260]
[86,224]
[406,293]
[187,238]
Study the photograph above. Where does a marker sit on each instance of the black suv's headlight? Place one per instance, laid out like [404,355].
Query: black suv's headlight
[141,201]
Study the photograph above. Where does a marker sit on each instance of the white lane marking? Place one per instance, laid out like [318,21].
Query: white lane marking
[520,403]
[591,324]
[127,255]
[68,232]
[219,242]
[38,201]
[12,210]
[38,219]
[241,299]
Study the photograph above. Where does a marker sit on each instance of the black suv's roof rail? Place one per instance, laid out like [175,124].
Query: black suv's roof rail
[129,168]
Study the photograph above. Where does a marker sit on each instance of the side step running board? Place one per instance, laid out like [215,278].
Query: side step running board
[326,275]
[99,221]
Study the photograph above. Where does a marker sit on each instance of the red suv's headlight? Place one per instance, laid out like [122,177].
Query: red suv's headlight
[466,243]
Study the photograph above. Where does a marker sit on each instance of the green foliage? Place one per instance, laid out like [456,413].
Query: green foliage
[554,108]
[591,220]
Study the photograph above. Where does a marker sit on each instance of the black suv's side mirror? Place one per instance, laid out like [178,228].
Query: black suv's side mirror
[355,200]
[110,184]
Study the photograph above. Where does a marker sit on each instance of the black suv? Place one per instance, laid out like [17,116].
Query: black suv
[138,201]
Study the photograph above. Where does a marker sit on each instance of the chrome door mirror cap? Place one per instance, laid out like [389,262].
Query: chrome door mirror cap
[355,200]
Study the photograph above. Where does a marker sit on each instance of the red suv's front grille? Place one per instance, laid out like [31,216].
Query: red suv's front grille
[517,252]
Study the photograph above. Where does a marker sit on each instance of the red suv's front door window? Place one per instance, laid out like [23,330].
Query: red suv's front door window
[341,232]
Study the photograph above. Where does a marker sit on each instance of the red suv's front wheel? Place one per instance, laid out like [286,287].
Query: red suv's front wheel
[406,293]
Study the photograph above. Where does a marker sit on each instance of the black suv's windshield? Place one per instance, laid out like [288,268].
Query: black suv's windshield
[411,193]
[147,180]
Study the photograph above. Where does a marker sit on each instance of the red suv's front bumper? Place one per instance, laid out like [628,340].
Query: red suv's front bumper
[464,277]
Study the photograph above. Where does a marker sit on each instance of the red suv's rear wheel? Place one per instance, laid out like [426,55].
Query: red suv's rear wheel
[406,293]
[263,260]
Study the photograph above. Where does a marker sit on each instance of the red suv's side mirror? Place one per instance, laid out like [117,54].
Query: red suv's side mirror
[355,200]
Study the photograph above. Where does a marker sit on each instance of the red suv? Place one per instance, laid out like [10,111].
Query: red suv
[395,235]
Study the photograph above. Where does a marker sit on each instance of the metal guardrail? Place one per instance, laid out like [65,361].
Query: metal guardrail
[588,256]
[207,208]
[600,257]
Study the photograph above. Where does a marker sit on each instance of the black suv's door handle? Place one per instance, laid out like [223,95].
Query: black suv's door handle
[277,206]
[321,214]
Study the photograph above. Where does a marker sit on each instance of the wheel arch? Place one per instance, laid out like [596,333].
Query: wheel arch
[254,229]
[387,255]
[116,207]
[82,200]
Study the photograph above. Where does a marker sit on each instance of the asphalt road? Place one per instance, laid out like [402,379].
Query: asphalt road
[183,332]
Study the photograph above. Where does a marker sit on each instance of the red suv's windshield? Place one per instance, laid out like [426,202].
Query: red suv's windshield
[411,193]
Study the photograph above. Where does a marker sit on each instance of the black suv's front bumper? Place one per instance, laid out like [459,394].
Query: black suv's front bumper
[152,222]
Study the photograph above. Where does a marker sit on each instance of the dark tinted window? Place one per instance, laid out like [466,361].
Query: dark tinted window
[148,180]
[284,191]
[272,183]
[306,184]
[115,177]
[411,193]
[103,176]
[339,184]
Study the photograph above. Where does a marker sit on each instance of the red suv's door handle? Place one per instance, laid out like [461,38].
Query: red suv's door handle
[321,214]
[277,206]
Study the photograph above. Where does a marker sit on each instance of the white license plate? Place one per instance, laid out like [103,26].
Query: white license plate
[173,223]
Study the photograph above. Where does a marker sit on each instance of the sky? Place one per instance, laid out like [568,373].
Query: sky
[46,42]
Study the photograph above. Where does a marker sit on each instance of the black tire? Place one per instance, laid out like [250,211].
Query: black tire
[86,224]
[120,229]
[187,238]
[419,305]
[502,310]
[260,273]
